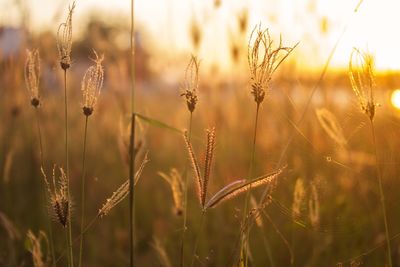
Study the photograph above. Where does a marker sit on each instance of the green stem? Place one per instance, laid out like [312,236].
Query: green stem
[132,192]
[71,258]
[83,191]
[45,193]
[245,238]
[185,198]
[132,140]
[382,196]
[196,243]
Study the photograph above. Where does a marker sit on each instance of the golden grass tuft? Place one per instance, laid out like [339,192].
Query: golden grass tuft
[64,40]
[191,84]
[32,76]
[34,245]
[175,181]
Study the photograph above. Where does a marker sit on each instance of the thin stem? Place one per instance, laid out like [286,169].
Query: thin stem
[196,243]
[246,205]
[45,193]
[382,196]
[71,257]
[185,197]
[132,191]
[132,141]
[83,191]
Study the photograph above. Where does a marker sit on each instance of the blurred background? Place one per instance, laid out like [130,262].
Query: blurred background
[167,33]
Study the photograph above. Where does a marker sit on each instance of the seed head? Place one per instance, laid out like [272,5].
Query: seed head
[32,76]
[361,74]
[264,60]
[91,84]
[64,40]
[191,83]
[58,192]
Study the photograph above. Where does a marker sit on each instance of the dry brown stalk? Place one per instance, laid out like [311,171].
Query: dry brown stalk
[35,248]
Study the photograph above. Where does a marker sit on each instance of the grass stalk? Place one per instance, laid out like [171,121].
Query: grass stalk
[132,140]
[381,195]
[185,206]
[83,191]
[245,238]
[70,256]
[196,243]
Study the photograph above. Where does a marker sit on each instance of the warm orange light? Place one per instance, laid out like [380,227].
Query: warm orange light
[395,98]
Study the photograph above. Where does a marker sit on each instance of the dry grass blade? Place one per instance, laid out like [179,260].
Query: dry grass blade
[361,74]
[313,206]
[121,192]
[195,165]
[175,181]
[34,246]
[7,224]
[162,254]
[331,126]
[208,163]
[238,187]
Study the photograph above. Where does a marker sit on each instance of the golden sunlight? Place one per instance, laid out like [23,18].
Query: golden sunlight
[395,98]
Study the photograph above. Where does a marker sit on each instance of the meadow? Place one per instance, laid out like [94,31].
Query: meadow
[115,158]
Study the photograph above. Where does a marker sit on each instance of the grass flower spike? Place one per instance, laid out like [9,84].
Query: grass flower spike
[58,192]
[264,60]
[64,40]
[361,74]
[32,76]
[91,85]
[191,83]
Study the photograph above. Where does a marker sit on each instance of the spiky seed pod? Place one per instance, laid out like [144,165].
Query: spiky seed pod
[175,181]
[64,40]
[32,76]
[121,192]
[191,84]
[91,84]
[264,60]
[361,74]
[59,202]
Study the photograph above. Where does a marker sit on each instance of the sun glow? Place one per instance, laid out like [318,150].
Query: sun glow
[395,99]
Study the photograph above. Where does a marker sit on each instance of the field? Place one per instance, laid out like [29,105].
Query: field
[258,160]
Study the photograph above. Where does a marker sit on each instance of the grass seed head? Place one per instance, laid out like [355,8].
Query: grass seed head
[176,183]
[92,83]
[64,40]
[32,76]
[263,60]
[34,245]
[361,74]
[191,84]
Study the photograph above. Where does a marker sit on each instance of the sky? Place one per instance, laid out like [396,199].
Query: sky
[316,24]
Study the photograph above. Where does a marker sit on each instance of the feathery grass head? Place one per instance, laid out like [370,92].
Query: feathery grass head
[202,181]
[264,60]
[58,191]
[32,76]
[34,246]
[175,181]
[91,84]
[191,84]
[64,40]
[122,191]
[313,206]
[361,74]
[331,126]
